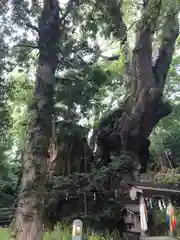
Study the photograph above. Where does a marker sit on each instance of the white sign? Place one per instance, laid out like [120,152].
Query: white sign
[77,229]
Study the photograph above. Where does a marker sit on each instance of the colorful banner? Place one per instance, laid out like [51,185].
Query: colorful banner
[170,217]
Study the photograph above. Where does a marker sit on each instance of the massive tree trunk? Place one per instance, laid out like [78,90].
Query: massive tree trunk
[145,107]
[70,155]
[28,220]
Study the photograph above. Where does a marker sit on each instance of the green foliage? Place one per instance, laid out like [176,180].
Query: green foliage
[20,98]
[63,232]
[116,68]
[167,137]
[60,232]
[5,143]
[167,134]
[160,218]
[86,85]
[170,177]
[178,221]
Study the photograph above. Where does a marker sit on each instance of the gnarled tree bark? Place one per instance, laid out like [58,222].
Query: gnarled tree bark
[28,223]
[145,106]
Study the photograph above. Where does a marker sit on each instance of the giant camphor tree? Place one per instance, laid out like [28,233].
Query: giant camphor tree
[129,127]
[28,222]
[144,105]
[53,27]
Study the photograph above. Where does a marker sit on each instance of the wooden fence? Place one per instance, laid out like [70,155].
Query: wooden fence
[6,216]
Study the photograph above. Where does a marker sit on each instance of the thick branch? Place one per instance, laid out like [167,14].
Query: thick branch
[67,11]
[127,75]
[27,46]
[145,2]
[111,58]
[169,34]
[144,92]
[143,47]
[29,25]
[163,110]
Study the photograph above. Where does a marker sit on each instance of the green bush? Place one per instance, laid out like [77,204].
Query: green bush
[160,218]
[62,232]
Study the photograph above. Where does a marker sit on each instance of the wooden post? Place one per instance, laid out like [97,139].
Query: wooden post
[77,230]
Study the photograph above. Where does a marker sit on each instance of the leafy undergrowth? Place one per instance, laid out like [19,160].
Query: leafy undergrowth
[61,233]
[58,234]
[170,177]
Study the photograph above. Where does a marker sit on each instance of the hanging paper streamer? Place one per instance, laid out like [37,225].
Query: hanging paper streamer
[67,195]
[116,193]
[160,205]
[170,217]
[163,204]
[143,214]
[150,203]
[147,202]
[94,195]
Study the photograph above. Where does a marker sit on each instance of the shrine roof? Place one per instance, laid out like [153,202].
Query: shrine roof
[133,208]
[151,188]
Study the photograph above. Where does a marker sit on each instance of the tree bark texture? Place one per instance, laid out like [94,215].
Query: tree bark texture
[73,155]
[28,224]
[144,107]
